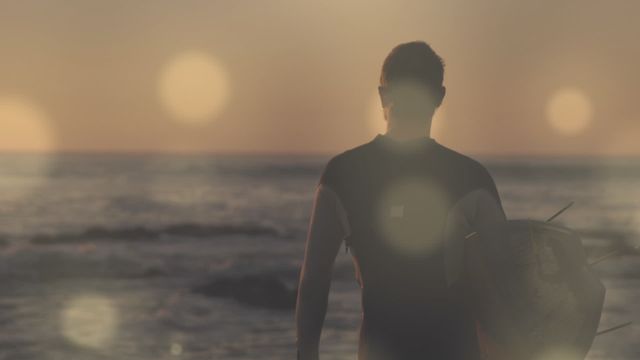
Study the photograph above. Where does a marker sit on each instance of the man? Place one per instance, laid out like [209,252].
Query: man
[404,204]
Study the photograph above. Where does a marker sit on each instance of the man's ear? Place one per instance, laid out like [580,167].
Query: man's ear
[441,94]
[384,96]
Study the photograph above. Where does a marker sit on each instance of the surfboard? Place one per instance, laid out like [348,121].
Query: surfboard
[533,292]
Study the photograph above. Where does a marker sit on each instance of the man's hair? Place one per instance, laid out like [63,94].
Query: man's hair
[415,61]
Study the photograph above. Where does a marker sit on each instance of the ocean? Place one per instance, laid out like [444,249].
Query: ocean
[99,254]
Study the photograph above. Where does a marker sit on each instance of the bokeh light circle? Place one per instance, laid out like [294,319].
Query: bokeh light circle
[25,126]
[409,213]
[175,349]
[89,321]
[569,111]
[27,137]
[194,87]
[560,353]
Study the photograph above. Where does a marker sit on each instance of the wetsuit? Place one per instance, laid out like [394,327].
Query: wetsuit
[403,209]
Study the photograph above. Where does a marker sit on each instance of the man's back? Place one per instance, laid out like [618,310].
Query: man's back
[403,203]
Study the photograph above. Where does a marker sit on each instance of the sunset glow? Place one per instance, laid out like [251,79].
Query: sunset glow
[287,77]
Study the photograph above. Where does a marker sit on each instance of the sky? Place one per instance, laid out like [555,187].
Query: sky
[547,78]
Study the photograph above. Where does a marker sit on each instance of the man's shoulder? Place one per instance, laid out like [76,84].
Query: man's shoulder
[475,175]
[344,161]
[461,160]
[353,153]
[451,157]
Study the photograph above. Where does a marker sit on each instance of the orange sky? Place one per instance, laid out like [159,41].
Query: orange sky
[300,76]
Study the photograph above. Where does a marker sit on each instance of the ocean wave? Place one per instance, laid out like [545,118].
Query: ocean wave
[609,242]
[137,204]
[52,265]
[612,235]
[270,170]
[626,267]
[142,233]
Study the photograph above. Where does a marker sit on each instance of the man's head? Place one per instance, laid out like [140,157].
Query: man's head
[411,82]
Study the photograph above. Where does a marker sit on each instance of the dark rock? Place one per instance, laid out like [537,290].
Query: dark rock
[255,290]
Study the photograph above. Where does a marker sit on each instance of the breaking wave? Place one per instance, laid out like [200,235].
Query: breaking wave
[143,233]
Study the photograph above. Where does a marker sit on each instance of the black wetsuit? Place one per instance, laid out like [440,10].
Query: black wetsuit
[411,310]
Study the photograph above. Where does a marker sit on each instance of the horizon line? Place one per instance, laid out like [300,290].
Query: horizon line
[490,155]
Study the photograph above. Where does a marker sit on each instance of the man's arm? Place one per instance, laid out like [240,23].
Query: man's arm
[487,219]
[488,211]
[478,211]
[325,234]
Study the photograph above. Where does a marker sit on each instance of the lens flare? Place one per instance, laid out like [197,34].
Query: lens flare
[175,349]
[24,126]
[89,321]
[378,125]
[560,353]
[634,241]
[194,87]
[569,111]
[409,215]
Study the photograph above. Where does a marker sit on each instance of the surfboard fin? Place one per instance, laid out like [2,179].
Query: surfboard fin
[560,212]
[614,328]
[609,255]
